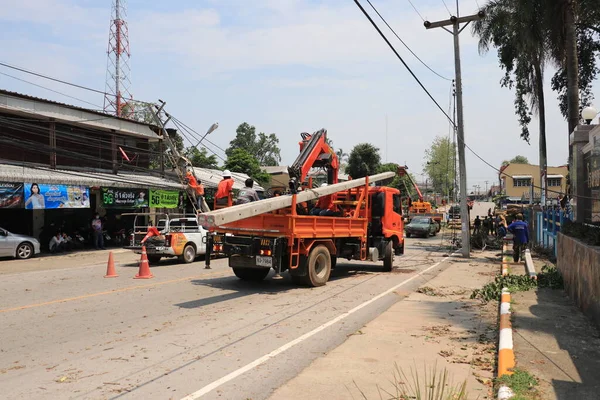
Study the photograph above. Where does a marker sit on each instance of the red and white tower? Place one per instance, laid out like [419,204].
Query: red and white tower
[117,70]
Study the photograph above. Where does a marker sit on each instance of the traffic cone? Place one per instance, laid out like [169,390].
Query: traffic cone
[110,268]
[144,271]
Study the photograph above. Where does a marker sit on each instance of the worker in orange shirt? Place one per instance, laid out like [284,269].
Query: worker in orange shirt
[198,191]
[224,189]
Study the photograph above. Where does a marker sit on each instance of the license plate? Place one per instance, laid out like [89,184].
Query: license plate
[159,248]
[262,261]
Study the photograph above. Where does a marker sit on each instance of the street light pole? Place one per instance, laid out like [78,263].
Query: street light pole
[212,128]
[455,22]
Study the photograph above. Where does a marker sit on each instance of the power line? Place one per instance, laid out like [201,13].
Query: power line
[190,129]
[402,60]
[52,90]
[50,78]
[446,5]
[417,11]
[405,45]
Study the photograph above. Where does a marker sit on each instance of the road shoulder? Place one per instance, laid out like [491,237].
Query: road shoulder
[437,325]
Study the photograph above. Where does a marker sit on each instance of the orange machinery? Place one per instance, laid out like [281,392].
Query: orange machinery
[369,226]
[419,208]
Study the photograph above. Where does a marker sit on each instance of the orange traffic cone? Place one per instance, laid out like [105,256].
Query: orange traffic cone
[110,268]
[144,271]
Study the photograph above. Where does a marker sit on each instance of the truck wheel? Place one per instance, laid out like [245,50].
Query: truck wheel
[251,274]
[318,266]
[189,254]
[388,256]
[153,260]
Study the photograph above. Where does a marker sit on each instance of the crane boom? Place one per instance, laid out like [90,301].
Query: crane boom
[402,172]
[314,153]
[217,218]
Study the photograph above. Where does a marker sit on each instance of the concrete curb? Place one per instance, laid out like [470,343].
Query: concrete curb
[505,258]
[529,267]
[506,355]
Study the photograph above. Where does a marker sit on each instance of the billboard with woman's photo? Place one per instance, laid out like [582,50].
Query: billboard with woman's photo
[50,196]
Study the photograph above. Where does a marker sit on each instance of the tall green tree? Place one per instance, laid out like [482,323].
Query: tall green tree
[516,29]
[264,147]
[364,160]
[200,158]
[439,164]
[403,183]
[239,160]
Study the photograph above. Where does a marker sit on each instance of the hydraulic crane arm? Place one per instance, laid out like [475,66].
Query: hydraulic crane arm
[314,153]
[402,172]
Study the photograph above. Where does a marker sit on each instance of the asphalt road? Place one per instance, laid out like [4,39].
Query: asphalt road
[70,333]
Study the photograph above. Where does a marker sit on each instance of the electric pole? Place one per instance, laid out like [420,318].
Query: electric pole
[486,185]
[455,22]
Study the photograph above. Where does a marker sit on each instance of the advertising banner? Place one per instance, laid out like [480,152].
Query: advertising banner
[164,198]
[49,196]
[124,198]
[11,195]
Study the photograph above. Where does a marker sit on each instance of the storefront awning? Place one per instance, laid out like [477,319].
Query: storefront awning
[34,174]
[555,176]
[521,177]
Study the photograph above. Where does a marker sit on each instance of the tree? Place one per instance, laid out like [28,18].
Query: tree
[342,157]
[242,161]
[439,164]
[515,28]
[264,147]
[402,183]
[200,158]
[364,160]
[519,160]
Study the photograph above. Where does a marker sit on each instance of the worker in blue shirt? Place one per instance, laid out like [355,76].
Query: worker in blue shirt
[520,231]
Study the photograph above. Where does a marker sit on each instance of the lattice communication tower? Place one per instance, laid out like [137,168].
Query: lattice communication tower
[117,95]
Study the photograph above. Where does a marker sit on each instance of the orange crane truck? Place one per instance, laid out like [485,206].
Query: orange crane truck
[367,224]
[420,208]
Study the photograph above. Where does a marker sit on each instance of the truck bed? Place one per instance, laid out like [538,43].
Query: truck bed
[300,226]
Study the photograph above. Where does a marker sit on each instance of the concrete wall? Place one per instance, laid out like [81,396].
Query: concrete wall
[579,265]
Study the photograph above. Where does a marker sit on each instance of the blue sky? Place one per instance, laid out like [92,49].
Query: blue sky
[285,66]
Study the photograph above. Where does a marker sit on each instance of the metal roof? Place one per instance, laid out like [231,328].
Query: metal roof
[22,104]
[16,173]
[211,177]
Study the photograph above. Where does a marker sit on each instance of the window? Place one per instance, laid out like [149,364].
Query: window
[554,182]
[518,182]
[397,204]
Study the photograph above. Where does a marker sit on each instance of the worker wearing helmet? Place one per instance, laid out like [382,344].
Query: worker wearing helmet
[224,189]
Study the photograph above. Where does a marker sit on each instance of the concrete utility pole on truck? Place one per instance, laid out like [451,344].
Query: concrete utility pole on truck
[281,233]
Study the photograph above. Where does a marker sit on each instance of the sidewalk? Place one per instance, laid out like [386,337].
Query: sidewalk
[557,344]
[439,324]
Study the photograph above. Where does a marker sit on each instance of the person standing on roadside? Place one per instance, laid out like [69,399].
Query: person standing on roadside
[97,231]
[477,225]
[520,231]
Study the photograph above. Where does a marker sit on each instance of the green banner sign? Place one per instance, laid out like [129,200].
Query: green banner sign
[164,198]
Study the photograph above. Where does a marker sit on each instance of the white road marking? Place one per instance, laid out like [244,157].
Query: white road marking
[232,375]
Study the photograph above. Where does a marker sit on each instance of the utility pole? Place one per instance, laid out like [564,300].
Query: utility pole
[455,22]
[486,185]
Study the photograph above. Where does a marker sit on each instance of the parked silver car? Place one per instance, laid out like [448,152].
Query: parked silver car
[18,246]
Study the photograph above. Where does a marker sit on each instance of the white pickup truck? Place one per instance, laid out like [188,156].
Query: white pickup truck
[180,236]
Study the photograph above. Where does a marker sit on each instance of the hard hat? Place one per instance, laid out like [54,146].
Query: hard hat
[323,184]
[226,174]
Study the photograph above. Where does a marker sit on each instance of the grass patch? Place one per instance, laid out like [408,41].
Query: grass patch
[522,383]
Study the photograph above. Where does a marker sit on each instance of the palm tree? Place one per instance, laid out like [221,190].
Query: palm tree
[516,30]
[342,157]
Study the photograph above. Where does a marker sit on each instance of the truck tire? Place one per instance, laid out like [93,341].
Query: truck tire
[251,274]
[388,256]
[189,254]
[153,260]
[318,266]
